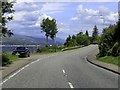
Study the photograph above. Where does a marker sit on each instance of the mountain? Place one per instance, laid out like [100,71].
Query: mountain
[29,40]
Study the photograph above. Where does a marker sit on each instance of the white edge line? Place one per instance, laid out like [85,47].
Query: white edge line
[18,71]
[21,70]
[70,84]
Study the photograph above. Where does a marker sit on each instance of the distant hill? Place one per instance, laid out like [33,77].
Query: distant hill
[28,40]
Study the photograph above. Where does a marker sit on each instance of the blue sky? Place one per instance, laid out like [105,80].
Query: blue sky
[72,17]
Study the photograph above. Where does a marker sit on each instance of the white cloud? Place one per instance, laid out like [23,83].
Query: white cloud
[51,8]
[68,0]
[40,18]
[91,16]
[112,17]
[74,18]
[104,10]
[91,11]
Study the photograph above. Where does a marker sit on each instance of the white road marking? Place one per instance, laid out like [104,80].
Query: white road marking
[20,71]
[23,69]
[70,84]
[63,71]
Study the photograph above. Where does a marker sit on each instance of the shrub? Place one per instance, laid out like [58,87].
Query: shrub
[5,59]
[70,48]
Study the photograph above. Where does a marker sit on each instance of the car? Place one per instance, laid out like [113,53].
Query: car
[21,51]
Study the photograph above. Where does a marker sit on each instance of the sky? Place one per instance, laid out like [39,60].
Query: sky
[71,17]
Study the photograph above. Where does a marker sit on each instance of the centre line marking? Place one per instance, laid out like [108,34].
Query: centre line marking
[63,71]
[70,84]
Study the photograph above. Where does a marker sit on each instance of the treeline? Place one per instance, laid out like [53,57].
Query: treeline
[109,44]
[79,39]
[82,39]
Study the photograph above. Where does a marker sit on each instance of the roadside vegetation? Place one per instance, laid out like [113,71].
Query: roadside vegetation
[109,44]
[82,39]
[110,59]
[71,48]
[6,8]
[109,41]
[8,58]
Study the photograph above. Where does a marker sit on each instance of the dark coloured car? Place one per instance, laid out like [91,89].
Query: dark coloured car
[22,52]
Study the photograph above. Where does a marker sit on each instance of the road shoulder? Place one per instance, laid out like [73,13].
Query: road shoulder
[92,59]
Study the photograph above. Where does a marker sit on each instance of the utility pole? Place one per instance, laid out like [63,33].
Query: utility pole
[119,10]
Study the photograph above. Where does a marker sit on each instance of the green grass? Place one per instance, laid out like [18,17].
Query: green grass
[8,58]
[52,50]
[110,59]
[47,50]
[71,48]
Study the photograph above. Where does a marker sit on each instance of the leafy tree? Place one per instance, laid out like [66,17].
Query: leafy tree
[46,27]
[53,31]
[6,8]
[83,39]
[95,35]
[68,41]
[110,41]
[86,33]
[50,28]
[79,39]
[73,41]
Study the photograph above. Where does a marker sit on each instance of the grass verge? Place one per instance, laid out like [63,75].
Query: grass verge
[8,58]
[71,48]
[110,59]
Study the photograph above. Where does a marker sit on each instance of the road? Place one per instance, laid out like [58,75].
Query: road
[67,69]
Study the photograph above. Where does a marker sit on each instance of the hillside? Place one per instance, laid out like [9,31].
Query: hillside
[27,40]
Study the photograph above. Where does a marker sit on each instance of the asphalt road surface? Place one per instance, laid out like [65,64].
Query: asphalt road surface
[67,69]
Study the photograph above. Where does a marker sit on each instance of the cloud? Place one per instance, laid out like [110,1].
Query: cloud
[91,16]
[40,18]
[74,18]
[51,8]
[29,15]
[68,0]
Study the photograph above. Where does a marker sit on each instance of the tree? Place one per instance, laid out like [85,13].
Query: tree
[45,27]
[110,41]
[86,33]
[95,35]
[79,38]
[73,40]
[50,28]
[6,8]
[68,41]
[53,31]
[83,39]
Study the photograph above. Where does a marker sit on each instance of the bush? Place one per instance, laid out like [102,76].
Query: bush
[109,45]
[48,49]
[8,58]
[5,59]
[39,50]
[70,48]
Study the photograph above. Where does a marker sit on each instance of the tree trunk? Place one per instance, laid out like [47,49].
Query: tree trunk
[46,41]
[55,43]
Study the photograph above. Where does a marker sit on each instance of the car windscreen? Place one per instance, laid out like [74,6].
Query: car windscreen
[20,48]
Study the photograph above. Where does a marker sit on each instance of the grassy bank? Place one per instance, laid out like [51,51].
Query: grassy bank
[110,59]
[71,48]
[8,58]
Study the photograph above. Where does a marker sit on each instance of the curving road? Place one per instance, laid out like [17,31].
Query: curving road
[67,69]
